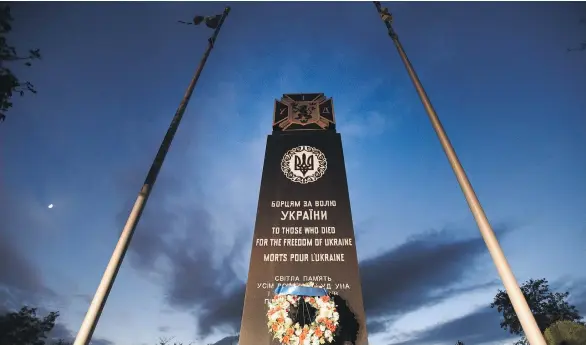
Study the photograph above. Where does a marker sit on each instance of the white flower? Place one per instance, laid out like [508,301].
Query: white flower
[279,308]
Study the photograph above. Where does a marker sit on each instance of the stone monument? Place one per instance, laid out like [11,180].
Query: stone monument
[304,231]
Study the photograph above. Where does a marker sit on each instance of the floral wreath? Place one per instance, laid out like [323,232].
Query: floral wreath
[321,329]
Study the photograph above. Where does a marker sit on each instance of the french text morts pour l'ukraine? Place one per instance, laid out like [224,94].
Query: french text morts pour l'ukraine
[313,257]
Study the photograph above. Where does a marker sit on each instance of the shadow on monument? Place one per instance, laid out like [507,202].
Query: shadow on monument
[348,329]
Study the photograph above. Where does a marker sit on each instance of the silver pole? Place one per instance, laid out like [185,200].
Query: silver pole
[95,310]
[518,301]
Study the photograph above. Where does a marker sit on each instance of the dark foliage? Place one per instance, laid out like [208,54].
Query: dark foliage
[349,327]
[548,307]
[26,328]
[9,83]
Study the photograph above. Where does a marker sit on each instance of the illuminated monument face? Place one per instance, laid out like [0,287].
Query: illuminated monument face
[304,228]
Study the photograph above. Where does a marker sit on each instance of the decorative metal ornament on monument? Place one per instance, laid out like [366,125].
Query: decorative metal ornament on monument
[304,231]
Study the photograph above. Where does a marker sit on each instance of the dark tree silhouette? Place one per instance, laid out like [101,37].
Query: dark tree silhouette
[459,343]
[26,328]
[167,341]
[9,83]
[548,307]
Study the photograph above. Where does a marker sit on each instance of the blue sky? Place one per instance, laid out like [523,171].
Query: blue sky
[112,76]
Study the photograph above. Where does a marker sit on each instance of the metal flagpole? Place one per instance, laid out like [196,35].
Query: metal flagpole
[518,301]
[95,310]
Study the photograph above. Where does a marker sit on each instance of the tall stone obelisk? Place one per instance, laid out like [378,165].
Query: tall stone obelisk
[303,228]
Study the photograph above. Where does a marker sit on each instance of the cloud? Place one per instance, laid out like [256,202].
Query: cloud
[163,329]
[175,240]
[200,279]
[376,326]
[21,281]
[470,329]
[372,123]
[195,280]
[230,340]
[100,341]
[577,289]
[402,279]
[62,332]
[580,302]
[195,252]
